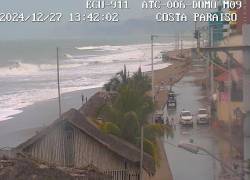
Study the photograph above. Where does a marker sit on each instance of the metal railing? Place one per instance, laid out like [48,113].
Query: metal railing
[123,174]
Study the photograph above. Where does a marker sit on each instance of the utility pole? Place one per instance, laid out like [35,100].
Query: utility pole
[246,94]
[197,34]
[229,105]
[181,47]
[211,64]
[210,71]
[152,67]
[212,86]
[58,82]
[176,41]
[141,152]
[153,99]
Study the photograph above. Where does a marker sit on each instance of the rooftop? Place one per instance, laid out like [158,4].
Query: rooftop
[113,143]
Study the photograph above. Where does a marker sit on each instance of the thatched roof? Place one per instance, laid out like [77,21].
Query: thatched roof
[115,144]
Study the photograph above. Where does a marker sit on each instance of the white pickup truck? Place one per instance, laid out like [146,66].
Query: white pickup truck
[202,116]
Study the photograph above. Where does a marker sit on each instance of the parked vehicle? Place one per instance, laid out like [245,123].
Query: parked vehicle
[202,116]
[171,102]
[158,117]
[186,118]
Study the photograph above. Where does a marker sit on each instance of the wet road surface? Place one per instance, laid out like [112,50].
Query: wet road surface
[185,165]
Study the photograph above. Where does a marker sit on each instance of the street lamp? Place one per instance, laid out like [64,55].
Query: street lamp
[142,129]
[153,100]
[193,148]
[152,64]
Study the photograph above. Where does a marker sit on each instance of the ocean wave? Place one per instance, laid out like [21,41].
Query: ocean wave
[78,72]
[54,67]
[6,113]
[100,48]
[24,69]
[19,69]
[12,104]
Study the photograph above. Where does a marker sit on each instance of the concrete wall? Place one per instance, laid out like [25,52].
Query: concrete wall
[246,93]
[223,110]
[246,59]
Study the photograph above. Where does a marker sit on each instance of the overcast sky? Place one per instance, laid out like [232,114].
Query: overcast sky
[134,19]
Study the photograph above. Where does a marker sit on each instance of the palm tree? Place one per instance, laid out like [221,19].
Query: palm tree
[140,81]
[129,123]
[119,79]
[113,84]
[130,111]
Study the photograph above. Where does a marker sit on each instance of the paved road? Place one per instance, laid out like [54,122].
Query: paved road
[185,165]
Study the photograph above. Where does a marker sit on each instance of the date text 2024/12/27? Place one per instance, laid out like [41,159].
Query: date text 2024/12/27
[34,17]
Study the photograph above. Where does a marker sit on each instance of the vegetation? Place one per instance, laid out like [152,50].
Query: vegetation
[120,78]
[131,110]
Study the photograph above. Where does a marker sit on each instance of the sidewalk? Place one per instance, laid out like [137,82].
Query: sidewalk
[236,140]
[163,79]
[163,171]
[230,153]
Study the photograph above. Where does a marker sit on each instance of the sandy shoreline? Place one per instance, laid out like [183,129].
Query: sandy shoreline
[24,125]
[164,78]
[38,115]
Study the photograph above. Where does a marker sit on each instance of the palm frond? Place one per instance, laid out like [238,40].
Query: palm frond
[110,128]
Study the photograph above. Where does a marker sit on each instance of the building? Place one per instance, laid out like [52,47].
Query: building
[223,83]
[73,141]
[216,29]
[243,15]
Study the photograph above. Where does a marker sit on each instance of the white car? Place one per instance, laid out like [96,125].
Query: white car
[202,116]
[186,118]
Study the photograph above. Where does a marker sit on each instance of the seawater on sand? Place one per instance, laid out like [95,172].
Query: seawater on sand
[24,83]
[40,114]
[24,125]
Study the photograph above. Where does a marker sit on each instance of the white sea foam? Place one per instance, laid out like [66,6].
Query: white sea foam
[100,48]
[6,114]
[77,72]
[19,69]
[24,69]
[12,104]
[45,67]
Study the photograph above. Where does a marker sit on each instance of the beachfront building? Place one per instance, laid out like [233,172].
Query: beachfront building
[73,141]
[229,93]
[228,79]
[243,15]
